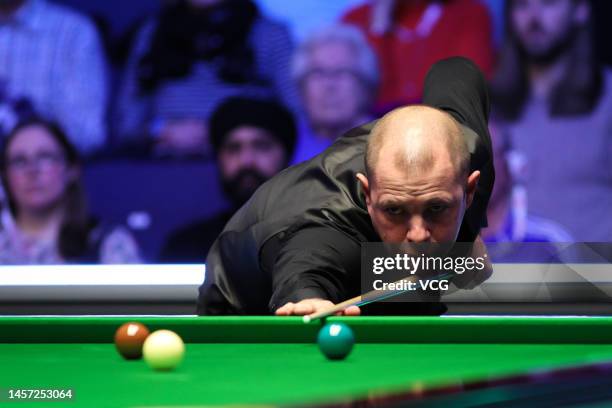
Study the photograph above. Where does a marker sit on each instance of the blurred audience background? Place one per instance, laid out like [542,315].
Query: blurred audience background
[189,58]
[253,139]
[132,131]
[556,97]
[410,36]
[46,219]
[338,79]
[509,216]
[52,63]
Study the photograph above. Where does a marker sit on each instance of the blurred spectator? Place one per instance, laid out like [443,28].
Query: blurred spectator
[46,221]
[51,61]
[410,35]
[194,55]
[558,100]
[337,74]
[253,140]
[508,215]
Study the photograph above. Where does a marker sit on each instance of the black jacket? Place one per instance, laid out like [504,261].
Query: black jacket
[299,235]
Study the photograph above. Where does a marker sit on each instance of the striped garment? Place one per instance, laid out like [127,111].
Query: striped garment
[197,95]
[53,57]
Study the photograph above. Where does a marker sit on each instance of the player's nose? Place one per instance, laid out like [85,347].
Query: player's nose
[418,231]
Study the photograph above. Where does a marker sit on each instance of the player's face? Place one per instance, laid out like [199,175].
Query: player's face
[333,93]
[247,158]
[420,207]
[37,172]
[544,27]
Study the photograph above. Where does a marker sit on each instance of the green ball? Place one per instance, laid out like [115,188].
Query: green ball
[336,340]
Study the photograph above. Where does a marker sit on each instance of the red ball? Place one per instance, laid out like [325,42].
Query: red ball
[129,339]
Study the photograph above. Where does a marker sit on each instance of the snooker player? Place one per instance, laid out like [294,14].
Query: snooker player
[420,174]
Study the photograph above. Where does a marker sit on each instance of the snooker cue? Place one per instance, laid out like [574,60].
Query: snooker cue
[369,297]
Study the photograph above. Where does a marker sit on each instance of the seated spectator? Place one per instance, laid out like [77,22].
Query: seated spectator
[557,99]
[52,62]
[253,140]
[337,74]
[507,214]
[46,221]
[409,36]
[194,55]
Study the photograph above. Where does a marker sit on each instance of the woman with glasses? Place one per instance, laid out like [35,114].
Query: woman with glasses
[46,219]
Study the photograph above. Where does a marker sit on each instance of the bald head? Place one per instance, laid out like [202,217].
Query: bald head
[416,139]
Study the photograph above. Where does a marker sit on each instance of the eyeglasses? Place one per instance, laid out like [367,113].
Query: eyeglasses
[42,161]
[334,74]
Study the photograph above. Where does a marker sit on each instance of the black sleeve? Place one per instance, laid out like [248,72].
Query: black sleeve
[315,262]
[234,282]
[457,86]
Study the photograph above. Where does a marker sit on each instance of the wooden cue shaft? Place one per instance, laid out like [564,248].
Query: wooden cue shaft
[369,297]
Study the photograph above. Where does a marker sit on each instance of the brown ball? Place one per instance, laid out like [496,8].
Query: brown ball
[129,339]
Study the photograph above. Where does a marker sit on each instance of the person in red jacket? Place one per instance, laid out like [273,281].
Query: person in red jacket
[410,35]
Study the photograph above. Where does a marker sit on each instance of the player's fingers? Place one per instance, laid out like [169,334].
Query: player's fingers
[304,307]
[321,305]
[285,310]
[352,311]
[309,306]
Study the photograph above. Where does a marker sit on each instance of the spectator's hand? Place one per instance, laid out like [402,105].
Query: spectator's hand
[184,136]
[309,306]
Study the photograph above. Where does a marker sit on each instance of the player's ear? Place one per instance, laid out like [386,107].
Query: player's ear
[365,184]
[472,183]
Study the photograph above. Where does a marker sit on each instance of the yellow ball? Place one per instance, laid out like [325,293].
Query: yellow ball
[163,350]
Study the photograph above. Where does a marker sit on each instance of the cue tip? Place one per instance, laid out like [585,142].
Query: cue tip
[306,319]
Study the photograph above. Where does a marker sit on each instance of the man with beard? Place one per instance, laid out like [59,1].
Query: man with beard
[556,99]
[253,140]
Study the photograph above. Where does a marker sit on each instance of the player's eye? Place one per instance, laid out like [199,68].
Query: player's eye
[437,209]
[393,210]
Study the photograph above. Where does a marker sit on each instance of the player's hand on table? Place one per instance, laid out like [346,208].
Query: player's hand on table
[309,306]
